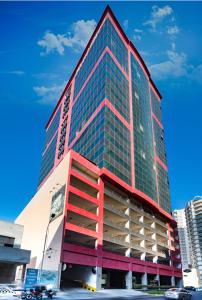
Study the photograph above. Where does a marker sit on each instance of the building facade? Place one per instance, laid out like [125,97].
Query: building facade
[190,274]
[194,224]
[13,259]
[104,163]
[180,218]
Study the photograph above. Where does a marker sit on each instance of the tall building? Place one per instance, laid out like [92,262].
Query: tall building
[190,275]
[194,224]
[104,175]
[179,216]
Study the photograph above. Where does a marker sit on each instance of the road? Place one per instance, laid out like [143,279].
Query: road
[195,296]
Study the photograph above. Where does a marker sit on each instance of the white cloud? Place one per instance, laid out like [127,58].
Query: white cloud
[14,72]
[78,38]
[197,74]
[173,30]
[138,30]
[175,66]
[17,72]
[51,43]
[125,24]
[137,37]
[138,34]
[49,95]
[158,14]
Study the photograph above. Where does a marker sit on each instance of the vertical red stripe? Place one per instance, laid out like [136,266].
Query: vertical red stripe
[131,120]
[153,138]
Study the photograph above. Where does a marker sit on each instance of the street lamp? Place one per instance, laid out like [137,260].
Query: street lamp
[52,216]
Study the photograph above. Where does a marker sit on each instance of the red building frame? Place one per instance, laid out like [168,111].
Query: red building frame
[98,257]
[74,254]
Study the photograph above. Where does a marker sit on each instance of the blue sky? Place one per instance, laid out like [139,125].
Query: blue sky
[40,46]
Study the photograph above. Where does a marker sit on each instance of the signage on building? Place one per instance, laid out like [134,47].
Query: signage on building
[58,203]
[49,278]
[31,277]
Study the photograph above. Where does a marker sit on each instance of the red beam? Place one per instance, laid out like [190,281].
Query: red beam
[79,249]
[91,73]
[98,109]
[161,163]
[85,231]
[85,162]
[82,212]
[48,144]
[157,120]
[83,195]
[113,264]
[84,179]
[77,258]
[86,256]
[117,114]
[117,63]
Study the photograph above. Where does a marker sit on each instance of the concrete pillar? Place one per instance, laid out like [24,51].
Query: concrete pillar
[179,282]
[127,252]
[59,274]
[142,256]
[144,280]
[155,259]
[129,279]
[157,277]
[98,278]
[173,280]
[23,273]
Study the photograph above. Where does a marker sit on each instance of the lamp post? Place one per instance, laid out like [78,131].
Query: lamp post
[45,240]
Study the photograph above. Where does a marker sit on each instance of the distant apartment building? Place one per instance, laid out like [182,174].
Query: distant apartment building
[179,216]
[193,213]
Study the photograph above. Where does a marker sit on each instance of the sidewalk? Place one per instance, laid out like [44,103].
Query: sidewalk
[77,293]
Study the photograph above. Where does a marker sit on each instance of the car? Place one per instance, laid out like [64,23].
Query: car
[18,292]
[190,288]
[178,293]
[6,290]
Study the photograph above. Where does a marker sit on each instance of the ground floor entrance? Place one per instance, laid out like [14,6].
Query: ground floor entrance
[113,279]
[73,275]
[96,278]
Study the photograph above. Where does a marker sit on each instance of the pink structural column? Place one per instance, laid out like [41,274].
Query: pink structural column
[131,121]
[154,147]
